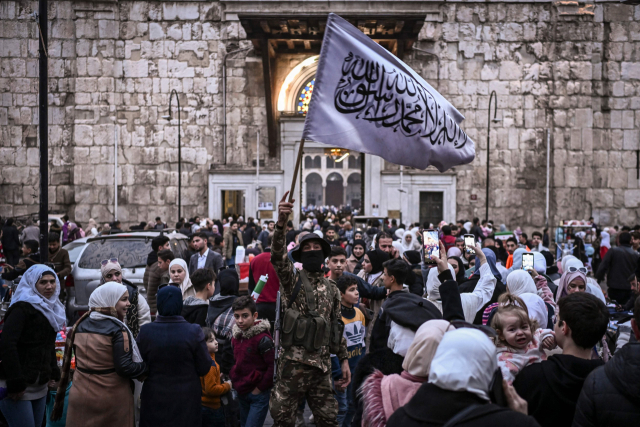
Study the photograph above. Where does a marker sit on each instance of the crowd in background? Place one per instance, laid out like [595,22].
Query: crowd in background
[474,315]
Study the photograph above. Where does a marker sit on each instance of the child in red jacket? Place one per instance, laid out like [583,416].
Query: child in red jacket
[252,375]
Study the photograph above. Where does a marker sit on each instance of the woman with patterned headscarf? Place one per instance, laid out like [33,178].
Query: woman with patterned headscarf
[138,312]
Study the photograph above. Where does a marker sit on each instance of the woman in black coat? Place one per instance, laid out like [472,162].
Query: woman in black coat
[176,354]
[27,347]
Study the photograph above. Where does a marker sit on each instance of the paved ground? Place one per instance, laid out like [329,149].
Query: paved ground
[307,413]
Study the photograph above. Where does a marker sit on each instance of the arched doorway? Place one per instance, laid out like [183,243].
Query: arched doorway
[314,189]
[335,190]
[353,190]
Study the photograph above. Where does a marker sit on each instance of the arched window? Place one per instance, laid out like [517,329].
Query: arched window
[317,162]
[331,164]
[354,161]
[305,97]
[308,163]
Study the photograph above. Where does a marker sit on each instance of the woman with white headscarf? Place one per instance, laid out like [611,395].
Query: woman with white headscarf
[27,348]
[460,378]
[139,312]
[409,241]
[107,358]
[179,276]
[471,301]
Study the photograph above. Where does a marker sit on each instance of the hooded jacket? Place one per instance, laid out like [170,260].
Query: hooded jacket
[552,387]
[194,310]
[611,394]
[254,353]
[220,319]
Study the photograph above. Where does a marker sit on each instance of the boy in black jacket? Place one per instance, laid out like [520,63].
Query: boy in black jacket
[552,387]
[194,309]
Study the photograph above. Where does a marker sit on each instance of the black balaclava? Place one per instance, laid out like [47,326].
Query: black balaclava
[312,260]
[377,258]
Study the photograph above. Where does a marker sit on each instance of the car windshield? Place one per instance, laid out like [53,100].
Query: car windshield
[74,250]
[129,252]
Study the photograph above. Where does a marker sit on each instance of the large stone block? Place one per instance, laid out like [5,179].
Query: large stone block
[630,71]
[136,68]
[182,11]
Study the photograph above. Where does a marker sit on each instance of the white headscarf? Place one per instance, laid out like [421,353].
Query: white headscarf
[186,283]
[399,233]
[539,262]
[51,307]
[465,361]
[107,296]
[467,226]
[400,339]
[433,285]
[537,309]
[593,287]
[398,247]
[414,245]
[606,239]
[520,282]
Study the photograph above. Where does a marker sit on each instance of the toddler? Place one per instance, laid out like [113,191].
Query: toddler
[519,342]
[212,388]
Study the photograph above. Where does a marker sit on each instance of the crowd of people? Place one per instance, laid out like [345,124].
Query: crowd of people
[356,324]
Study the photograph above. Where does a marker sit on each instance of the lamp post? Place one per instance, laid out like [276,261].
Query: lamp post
[168,117]
[495,111]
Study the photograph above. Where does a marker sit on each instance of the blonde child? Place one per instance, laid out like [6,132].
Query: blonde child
[519,341]
[212,388]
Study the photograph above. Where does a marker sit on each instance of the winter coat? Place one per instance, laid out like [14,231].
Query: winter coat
[194,310]
[101,394]
[353,265]
[611,394]
[27,348]
[618,264]
[153,278]
[220,319]
[22,266]
[212,388]
[552,387]
[61,263]
[10,238]
[385,361]
[228,243]
[172,392]
[432,406]
[254,352]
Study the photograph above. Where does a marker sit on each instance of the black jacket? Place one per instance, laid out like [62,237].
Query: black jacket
[405,309]
[195,312]
[433,406]
[611,394]
[122,360]
[10,238]
[384,360]
[27,348]
[23,265]
[217,306]
[618,264]
[552,387]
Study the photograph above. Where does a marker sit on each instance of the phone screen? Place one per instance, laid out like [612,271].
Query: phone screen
[527,261]
[431,244]
[470,243]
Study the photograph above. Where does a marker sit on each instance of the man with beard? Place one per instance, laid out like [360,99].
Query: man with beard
[59,257]
[308,299]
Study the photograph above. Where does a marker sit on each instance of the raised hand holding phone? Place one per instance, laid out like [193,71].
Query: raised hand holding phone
[441,261]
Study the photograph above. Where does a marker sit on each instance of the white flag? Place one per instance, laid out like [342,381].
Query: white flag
[365,99]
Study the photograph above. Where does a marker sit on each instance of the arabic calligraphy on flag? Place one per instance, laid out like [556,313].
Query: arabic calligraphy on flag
[366,99]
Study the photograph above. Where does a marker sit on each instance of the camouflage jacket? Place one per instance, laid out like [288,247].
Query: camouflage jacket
[325,305]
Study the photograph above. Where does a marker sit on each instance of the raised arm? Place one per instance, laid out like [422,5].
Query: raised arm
[474,301]
[279,259]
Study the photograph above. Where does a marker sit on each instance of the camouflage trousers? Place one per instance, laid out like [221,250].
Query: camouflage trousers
[296,380]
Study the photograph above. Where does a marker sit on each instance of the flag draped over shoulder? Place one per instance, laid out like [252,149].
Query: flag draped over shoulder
[365,99]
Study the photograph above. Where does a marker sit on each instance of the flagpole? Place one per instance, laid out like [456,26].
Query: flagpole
[295,170]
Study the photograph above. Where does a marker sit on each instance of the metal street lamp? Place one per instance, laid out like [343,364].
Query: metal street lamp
[495,111]
[168,117]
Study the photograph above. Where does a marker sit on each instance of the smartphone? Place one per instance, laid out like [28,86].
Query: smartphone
[527,261]
[431,244]
[470,243]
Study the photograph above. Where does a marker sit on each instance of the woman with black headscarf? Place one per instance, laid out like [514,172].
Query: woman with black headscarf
[414,280]
[171,394]
[354,262]
[372,272]
[458,267]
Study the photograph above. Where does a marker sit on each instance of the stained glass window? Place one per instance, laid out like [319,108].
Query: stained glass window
[305,97]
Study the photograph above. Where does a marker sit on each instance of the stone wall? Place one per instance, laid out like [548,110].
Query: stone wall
[569,69]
